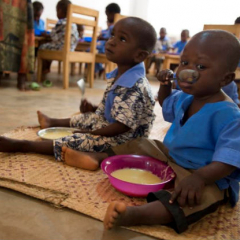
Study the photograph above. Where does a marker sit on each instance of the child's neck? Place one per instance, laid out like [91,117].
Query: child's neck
[123,68]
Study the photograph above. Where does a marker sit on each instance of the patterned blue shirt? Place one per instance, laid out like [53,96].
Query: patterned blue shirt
[129,100]
[211,134]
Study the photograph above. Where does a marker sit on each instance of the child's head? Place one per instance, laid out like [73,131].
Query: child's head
[237,21]
[37,10]
[111,10]
[214,54]
[184,35]
[61,8]
[133,39]
[162,33]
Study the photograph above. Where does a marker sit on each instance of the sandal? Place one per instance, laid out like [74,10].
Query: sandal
[34,86]
[47,83]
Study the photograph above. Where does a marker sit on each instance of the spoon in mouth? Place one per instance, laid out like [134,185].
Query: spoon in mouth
[188,75]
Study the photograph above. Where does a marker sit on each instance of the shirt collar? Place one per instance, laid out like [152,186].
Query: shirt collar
[129,78]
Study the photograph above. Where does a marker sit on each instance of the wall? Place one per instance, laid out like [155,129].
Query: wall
[100,5]
[176,15]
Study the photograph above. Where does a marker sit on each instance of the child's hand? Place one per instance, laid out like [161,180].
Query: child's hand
[82,131]
[85,106]
[189,191]
[165,76]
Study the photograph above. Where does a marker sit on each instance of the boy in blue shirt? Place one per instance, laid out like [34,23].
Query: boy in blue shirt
[178,46]
[110,11]
[125,112]
[202,144]
[39,24]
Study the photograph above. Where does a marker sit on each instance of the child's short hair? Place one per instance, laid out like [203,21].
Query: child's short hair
[63,5]
[144,33]
[225,44]
[38,6]
[186,30]
[237,21]
[113,8]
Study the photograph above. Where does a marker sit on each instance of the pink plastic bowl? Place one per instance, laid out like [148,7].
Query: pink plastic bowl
[153,165]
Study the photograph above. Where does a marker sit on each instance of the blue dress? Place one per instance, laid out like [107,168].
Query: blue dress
[211,134]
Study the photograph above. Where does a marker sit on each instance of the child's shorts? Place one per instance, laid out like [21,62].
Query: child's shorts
[85,142]
[212,196]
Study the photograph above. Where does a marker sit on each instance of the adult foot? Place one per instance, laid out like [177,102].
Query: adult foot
[7,144]
[89,161]
[44,120]
[115,215]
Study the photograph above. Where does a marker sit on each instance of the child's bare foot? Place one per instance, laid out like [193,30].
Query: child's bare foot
[44,120]
[114,215]
[84,160]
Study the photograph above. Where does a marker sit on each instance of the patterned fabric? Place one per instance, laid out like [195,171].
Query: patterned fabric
[132,107]
[16,36]
[58,36]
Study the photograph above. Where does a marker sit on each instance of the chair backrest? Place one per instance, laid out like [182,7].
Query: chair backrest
[88,31]
[118,17]
[50,24]
[74,10]
[234,29]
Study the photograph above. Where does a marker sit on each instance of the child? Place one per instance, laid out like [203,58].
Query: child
[39,24]
[178,46]
[110,11]
[58,33]
[126,111]
[202,144]
[163,45]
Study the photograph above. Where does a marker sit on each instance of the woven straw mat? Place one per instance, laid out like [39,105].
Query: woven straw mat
[90,192]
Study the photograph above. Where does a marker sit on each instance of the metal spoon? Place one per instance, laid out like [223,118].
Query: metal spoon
[187,75]
[81,85]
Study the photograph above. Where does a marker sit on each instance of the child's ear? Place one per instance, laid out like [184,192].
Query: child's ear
[140,56]
[229,77]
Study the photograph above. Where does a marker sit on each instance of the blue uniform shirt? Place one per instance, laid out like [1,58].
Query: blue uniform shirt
[211,134]
[127,80]
[180,46]
[101,43]
[40,25]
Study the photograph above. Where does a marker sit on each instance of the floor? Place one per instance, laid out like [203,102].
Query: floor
[22,217]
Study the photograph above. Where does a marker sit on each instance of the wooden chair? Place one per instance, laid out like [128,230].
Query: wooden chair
[50,24]
[234,29]
[101,57]
[88,31]
[66,56]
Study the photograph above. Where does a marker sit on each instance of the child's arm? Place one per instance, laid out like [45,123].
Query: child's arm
[86,106]
[190,189]
[111,130]
[165,88]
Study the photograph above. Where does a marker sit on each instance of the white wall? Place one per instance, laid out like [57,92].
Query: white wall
[175,15]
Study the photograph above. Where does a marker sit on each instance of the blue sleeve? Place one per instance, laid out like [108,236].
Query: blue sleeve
[232,91]
[175,45]
[227,148]
[169,105]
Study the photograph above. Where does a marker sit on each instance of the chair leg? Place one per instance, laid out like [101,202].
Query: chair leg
[92,66]
[65,74]
[59,66]
[72,69]
[80,68]
[39,69]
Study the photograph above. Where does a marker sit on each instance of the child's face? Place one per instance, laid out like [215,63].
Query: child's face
[37,15]
[110,17]
[60,13]
[208,63]
[162,33]
[122,47]
[184,36]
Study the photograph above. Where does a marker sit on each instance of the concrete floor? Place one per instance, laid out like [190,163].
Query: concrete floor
[23,217]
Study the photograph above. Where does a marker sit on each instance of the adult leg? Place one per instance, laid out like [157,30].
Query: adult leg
[21,79]
[13,145]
